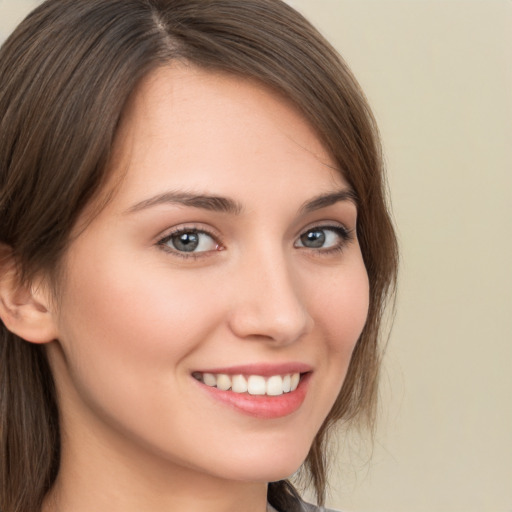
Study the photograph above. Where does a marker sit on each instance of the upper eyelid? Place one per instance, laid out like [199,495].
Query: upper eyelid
[161,243]
[348,232]
[346,236]
[213,233]
[326,224]
[186,228]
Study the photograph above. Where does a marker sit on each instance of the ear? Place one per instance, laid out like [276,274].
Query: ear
[25,309]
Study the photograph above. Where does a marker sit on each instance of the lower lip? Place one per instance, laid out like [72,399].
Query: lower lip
[262,406]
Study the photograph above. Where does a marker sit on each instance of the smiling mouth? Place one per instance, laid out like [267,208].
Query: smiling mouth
[274,385]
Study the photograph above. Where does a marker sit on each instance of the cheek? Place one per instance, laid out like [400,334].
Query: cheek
[341,309]
[126,334]
[122,321]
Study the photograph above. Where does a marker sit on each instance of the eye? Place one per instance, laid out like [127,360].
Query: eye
[324,237]
[189,241]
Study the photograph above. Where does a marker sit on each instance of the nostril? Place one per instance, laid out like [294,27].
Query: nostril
[267,326]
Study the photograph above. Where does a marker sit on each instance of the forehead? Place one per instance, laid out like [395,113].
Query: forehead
[192,127]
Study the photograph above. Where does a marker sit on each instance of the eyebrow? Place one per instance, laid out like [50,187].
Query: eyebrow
[227,205]
[325,200]
[206,202]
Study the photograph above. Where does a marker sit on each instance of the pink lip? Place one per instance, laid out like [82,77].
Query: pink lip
[264,369]
[260,406]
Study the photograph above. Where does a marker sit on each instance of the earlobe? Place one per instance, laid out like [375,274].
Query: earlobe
[25,309]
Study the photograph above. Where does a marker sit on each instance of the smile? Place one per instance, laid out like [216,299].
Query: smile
[273,385]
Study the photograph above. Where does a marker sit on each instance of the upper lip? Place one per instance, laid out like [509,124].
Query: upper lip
[263,369]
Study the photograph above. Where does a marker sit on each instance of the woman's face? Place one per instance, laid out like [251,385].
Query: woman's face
[227,258]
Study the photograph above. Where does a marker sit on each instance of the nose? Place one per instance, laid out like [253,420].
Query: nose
[268,303]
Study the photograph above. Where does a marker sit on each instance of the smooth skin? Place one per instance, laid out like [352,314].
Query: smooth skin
[159,285]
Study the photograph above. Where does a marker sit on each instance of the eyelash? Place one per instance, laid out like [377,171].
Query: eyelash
[189,230]
[345,235]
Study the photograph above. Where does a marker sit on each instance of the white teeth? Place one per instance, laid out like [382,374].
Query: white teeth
[256,385]
[287,384]
[239,384]
[294,381]
[253,384]
[275,385]
[209,379]
[223,382]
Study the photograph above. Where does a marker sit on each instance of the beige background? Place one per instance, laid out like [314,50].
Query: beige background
[439,76]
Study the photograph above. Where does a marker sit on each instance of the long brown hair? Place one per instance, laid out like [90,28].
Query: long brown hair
[66,74]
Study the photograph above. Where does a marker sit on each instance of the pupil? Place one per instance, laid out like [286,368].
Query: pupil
[313,239]
[187,242]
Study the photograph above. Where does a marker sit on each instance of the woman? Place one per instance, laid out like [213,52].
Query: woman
[195,250]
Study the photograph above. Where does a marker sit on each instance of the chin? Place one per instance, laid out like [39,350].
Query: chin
[266,467]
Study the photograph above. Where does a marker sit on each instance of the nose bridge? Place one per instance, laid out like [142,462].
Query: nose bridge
[269,303]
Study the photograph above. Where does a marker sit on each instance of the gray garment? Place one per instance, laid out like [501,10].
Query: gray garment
[307,507]
[313,508]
